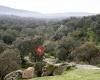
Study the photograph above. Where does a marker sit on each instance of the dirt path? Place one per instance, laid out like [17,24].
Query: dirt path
[79,66]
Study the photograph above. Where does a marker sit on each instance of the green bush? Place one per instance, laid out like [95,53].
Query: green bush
[87,53]
[65,47]
[50,48]
[9,61]
[8,38]
[61,54]
[28,45]
[12,32]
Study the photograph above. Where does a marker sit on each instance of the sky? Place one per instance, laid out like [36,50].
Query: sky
[54,6]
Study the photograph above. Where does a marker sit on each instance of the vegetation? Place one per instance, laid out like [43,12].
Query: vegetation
[10,60]
[87,53]
[72,39]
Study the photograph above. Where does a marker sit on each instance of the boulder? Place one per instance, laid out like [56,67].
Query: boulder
[14,75]
[28,73]
[60,69]
[50,60]
[52,69]
[70,65]
[38,68]
[11,78]
[48,70]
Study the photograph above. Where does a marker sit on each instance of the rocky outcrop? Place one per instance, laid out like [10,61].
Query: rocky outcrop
[38,68]
[47,69]
[25,74]
[51,60]
[14,75]
[70,65]
[56,69]
[60,69]
[28,73]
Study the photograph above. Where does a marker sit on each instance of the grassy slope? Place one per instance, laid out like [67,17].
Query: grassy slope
[76,74]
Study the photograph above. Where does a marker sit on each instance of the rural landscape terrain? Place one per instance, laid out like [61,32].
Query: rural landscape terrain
[60,46]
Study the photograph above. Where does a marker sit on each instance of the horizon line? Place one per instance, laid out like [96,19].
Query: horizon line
[49,12]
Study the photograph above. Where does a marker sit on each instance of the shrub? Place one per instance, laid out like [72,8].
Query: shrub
[8,38]
[28,31]
[9,61]
[66,45]
[3,46]
[79,34]
[58,36]
[50,48]
[87,53]
[12,32]
[1,33]
[27,46]
[62,54]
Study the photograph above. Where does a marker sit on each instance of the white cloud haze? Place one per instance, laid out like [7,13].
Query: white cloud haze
[54,6]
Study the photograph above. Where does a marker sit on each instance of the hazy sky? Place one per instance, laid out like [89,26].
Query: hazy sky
[55,6]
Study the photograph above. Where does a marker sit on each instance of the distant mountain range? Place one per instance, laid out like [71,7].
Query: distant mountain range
[24,13]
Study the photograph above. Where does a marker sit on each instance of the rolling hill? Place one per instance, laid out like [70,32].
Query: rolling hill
[24,13]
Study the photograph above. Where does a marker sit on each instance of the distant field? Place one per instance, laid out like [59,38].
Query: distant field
[77,74]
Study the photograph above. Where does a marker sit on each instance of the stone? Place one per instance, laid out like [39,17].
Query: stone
[48,70]
[11,78]
[70,65]
[60,68]
[38,68]
[52,69]
[51,60]
[14,75]
[28,73]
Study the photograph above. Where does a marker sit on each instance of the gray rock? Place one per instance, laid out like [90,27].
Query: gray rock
[14,75]
[48,70]
[51,60]
[70,65]
[52,69]
[60,69]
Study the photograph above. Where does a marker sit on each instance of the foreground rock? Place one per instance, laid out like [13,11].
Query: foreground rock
[56,69]
[14,75]
[60,69]
[28,73]
[48,68]
[51,60]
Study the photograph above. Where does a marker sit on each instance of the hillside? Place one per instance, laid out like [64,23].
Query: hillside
[48,48]
[24,13]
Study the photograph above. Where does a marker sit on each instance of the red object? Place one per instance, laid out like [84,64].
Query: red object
[40,50]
